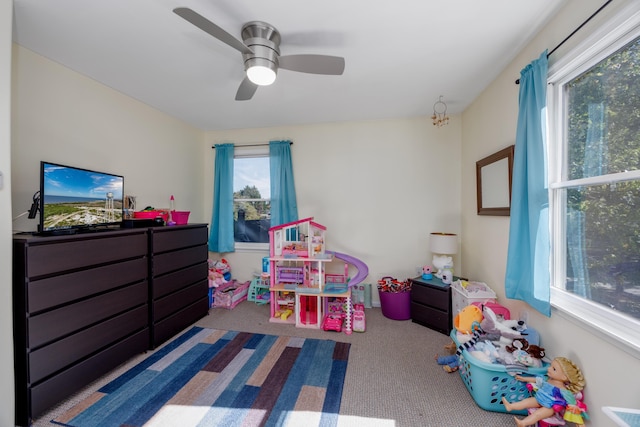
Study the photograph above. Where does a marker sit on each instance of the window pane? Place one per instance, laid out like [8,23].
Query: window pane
[603,245]
[251,221]
[603,111]
[252,172]
[251,193]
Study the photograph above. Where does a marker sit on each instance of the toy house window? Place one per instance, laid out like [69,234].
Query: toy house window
[594,181]
[251,197]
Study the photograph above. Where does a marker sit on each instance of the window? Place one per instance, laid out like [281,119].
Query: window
[594,148]
[251,197]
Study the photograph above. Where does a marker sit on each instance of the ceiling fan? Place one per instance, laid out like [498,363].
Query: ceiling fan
[260,48]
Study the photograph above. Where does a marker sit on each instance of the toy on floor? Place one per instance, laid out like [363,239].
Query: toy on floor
[332,322]
[449,363]
[451,347]
[230,294]
[555,394]
[359,323]
[573,413]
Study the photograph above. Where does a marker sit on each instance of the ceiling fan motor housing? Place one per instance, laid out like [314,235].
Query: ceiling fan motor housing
[264,40]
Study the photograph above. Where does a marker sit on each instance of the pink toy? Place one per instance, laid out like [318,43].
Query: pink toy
[359,323]
[498,309]
[332,322]
[230,294]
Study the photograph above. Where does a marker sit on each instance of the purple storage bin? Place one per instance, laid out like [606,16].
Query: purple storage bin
[396,305]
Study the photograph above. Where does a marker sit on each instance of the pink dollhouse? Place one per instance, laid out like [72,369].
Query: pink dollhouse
[298,279]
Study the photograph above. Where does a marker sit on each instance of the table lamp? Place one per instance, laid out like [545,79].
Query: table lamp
[441,245]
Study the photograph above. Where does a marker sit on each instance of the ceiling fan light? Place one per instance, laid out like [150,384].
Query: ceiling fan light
[261,75]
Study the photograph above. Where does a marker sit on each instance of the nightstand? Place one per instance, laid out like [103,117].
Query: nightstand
[431,304]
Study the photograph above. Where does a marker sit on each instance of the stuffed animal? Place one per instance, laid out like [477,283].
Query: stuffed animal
[501,331]
[468,319]
[449,363]
[526,354]
[216,279]
[484,351]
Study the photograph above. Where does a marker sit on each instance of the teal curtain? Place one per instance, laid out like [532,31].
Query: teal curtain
[528,276]
[221,232]
[284,208]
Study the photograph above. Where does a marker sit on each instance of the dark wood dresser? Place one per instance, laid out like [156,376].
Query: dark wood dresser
[179,284]
[82,304]
[431,304]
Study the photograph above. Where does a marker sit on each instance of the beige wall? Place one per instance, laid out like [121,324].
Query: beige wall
[63,117]
[6,322]
[489,124]
[380,188]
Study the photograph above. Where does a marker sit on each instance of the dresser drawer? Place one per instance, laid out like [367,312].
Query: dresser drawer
[435,297]
[65,288]
[176,260]
[176,280]
[52,325]
[172,238]
[67,351]
[166,306]
[430,317]
[81,254]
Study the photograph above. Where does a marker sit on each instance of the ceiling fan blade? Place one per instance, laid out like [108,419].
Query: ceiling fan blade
[313,64]
[209,27]
[246,90]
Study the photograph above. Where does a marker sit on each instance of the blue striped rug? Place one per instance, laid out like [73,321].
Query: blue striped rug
[209,377]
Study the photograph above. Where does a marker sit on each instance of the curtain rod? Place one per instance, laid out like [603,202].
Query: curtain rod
[251,145]
[576,30]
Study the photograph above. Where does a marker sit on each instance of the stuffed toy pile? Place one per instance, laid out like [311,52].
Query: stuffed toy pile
[492,339]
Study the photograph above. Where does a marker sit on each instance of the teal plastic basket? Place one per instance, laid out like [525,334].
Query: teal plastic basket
[488,383]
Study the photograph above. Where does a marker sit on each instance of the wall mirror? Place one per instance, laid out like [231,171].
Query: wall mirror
[493,179]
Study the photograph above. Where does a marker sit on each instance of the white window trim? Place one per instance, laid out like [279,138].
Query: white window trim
[618,329]
[254,150]
[252,247]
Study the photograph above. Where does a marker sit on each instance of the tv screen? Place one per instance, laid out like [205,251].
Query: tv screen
[74,198]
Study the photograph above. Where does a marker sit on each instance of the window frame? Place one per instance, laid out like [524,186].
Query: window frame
[619,329]
[250,151]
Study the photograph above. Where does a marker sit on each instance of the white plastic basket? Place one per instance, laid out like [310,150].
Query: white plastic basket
[473,292]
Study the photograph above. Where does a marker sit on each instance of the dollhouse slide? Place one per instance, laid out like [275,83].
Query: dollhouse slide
[363,270]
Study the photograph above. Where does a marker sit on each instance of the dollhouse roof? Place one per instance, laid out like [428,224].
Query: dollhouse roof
[300,221]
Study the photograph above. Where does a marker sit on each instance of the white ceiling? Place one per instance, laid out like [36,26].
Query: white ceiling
[400,55]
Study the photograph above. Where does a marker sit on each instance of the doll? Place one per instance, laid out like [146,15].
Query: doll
[564,379]
[449,363]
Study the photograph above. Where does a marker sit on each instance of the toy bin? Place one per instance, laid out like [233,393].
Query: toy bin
[230,294]
[180,217]
[488,383]
[396,305]
[473,292]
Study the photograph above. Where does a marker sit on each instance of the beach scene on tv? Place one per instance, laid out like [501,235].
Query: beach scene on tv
[76,197]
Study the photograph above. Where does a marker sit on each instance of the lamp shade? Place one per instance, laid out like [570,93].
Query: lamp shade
[443,243]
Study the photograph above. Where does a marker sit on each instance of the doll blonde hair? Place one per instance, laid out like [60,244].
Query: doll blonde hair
[575,380]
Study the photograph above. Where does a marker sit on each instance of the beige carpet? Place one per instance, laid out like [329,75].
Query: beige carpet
[392,379]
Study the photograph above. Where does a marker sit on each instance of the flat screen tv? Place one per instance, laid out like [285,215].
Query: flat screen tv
[74,199]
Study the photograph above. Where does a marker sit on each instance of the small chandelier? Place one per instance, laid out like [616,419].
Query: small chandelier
[440,117]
